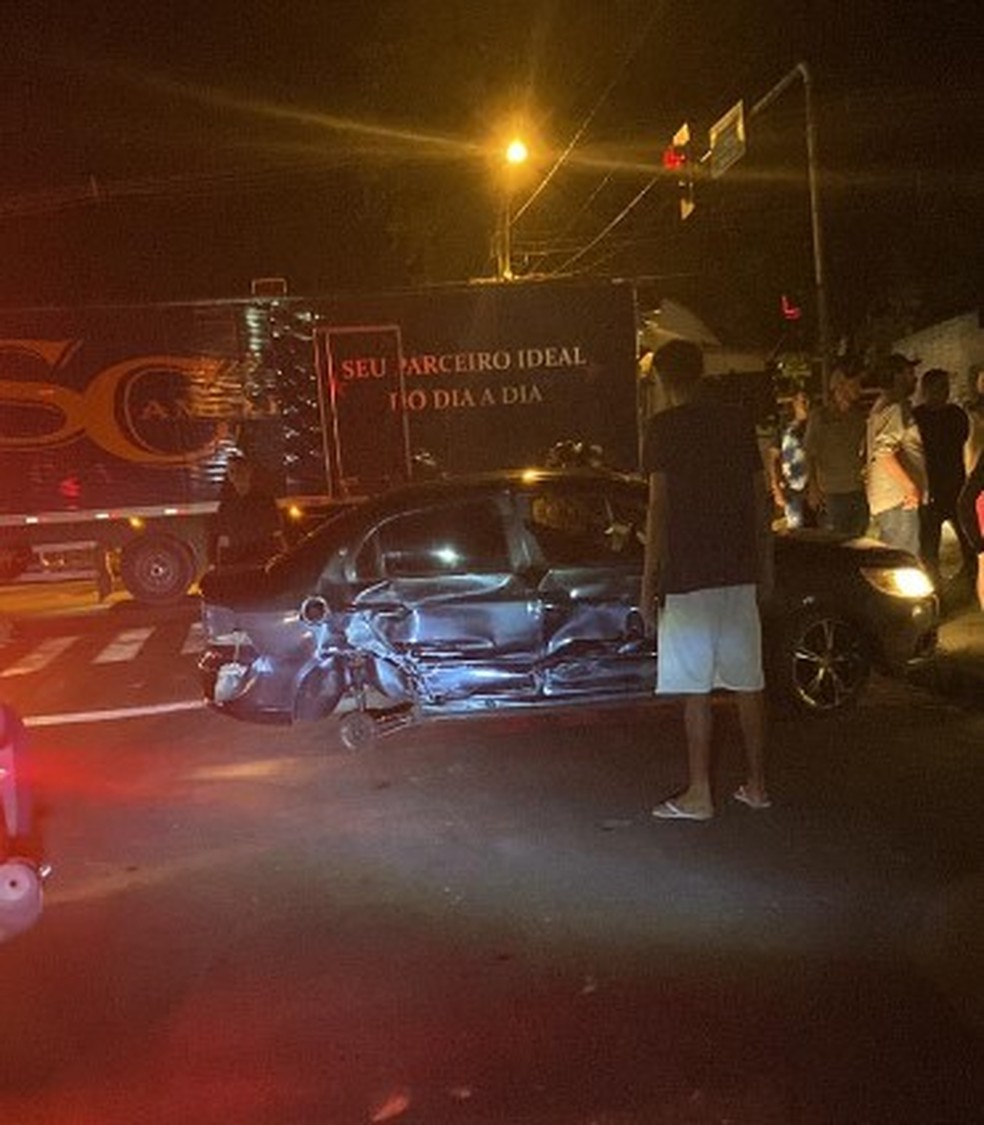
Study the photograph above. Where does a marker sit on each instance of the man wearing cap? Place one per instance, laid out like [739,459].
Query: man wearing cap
[896,483]
[834,443]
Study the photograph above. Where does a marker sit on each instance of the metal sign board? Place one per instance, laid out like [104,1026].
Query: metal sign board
[728,140]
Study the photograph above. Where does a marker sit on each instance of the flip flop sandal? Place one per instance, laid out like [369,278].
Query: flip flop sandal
[669,810]
[741,795]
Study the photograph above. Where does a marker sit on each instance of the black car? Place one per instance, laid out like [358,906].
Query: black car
[519,590]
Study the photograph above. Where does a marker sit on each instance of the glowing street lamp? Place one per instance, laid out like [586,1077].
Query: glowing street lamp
[517,152]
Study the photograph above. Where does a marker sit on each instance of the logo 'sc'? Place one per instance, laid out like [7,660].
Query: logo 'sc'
[102,411]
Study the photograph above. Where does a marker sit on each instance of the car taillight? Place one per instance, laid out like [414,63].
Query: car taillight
[237,644]
[225,665]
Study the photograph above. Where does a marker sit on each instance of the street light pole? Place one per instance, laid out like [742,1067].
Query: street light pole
[504,241]
[516,154]
[801,70]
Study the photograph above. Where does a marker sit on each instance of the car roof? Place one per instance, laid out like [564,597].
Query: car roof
[363,512]
[448,486]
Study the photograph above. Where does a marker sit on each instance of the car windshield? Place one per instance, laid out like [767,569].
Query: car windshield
[304,561]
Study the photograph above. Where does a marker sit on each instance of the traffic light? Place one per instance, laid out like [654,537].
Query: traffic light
[790,307]
[678,159]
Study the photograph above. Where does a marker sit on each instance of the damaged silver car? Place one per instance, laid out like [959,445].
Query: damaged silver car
[520,590]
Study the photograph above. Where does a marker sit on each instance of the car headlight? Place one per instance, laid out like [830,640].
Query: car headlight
[899,581]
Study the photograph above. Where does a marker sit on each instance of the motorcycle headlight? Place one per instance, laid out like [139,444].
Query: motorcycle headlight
[899,581]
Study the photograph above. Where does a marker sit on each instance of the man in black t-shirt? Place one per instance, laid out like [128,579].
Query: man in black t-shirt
[970,510]
[708,559]
[945,428]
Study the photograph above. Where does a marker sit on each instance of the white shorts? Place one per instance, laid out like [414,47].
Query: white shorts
[709,639]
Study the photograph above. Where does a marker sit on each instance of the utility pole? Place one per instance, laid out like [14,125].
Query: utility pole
[802,71]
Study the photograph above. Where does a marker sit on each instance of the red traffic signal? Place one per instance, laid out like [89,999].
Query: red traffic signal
[790,310]
[674,158]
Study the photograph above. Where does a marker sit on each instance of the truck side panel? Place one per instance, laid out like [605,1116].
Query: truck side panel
[112,408]
[481,377]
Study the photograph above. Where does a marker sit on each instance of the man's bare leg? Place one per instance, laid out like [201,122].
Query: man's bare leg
[698,722]
[751,715]
[695,802]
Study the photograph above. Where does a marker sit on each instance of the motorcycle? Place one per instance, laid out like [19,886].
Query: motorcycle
[22,866]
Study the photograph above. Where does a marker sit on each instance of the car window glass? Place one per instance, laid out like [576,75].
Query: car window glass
[458,538]
[584,527]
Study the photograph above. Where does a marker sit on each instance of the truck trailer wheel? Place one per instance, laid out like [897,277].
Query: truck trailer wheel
[157,568]
[13,562]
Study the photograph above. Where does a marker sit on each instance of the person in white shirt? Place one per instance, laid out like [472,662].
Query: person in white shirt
[896,481]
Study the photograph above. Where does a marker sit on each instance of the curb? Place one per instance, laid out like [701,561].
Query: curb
[953,678]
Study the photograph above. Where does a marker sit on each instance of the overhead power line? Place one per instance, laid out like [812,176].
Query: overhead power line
[634,202]
[592,113]
[97,191]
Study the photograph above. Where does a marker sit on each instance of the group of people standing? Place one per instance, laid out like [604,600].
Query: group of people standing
[899,471]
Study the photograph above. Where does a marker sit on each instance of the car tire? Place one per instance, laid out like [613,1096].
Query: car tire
[822,662]
[157,568]
[358,731]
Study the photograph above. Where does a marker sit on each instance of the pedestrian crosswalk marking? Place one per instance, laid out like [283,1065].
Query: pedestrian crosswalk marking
[40,656]
[124,646]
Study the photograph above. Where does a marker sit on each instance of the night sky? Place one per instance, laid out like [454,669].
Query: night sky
[172,151]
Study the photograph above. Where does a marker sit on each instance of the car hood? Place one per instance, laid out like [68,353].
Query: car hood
[808,547]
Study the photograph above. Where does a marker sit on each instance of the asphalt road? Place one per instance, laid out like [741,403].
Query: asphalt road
[479,922]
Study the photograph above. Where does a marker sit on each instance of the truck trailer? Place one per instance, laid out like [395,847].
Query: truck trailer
[116,422]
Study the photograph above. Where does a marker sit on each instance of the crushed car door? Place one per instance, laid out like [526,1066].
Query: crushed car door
[587,538]
[443,607]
